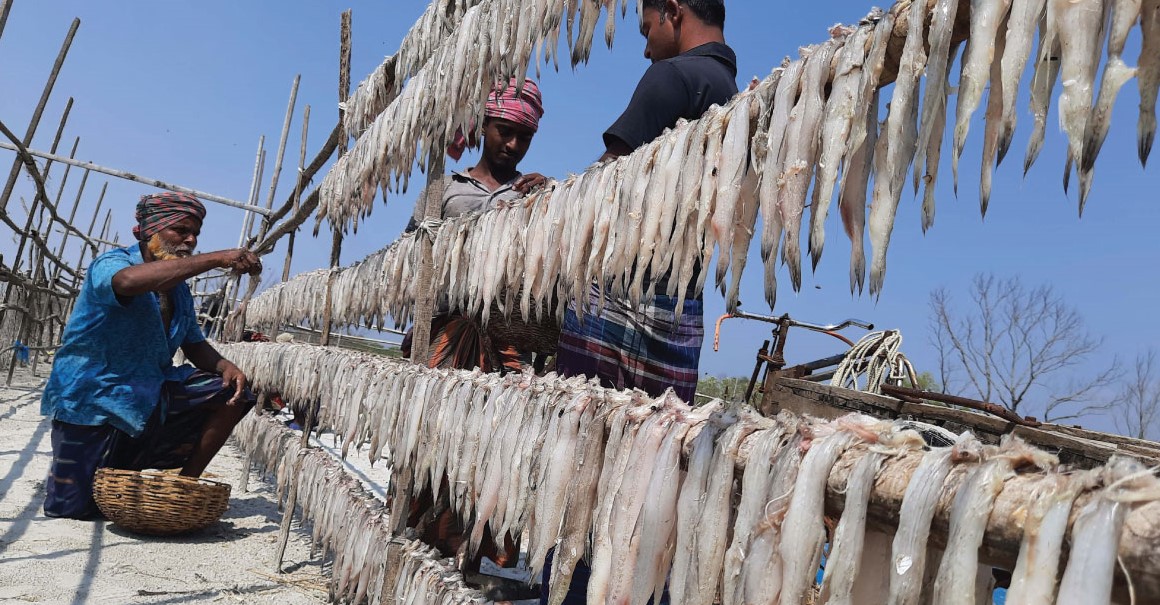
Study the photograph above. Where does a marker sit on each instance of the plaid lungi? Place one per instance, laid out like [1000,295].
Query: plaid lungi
[168,441]
[644,348]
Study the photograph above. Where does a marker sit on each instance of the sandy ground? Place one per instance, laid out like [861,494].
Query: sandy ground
[46,560]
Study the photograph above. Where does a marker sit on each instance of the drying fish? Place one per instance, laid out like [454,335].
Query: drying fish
[900,138]
[801,543]
[1024,18]
[1034,579]
[942,23]
[908,553]
[1088,577]
[841,112]
[1080,26]
[801,149]
[934,154]
[852,199]
[959,569]
[732,169]
[993,118]
[761,577]
[783,101]
[693,491]
[1125,13]
[842,563]
[986,16]
[759,469]
[1043,82]
[1148,76]
[657,526]
[714,517]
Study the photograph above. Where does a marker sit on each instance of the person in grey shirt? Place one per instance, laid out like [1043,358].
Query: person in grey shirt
[511,119]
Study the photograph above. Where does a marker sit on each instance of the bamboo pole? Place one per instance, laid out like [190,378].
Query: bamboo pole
[238,317]
[281,154]
[60,190]
[39,111]
[312,169]
[56,143]
[32,213]
[336,241]
[144,180]
[230,285]
[425,300]
[5,8]
[71,217]
[38,181]
[298,182]
[324,339]
[255,185]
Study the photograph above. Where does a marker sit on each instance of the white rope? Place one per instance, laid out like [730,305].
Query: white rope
[876,358]
[430,227]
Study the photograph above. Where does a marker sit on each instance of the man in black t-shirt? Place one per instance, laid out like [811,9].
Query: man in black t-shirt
[644,346]
[692,68]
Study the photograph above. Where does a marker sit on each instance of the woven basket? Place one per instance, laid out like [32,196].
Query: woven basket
[158,503]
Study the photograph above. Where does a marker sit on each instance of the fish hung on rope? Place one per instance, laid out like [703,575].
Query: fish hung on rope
[453,59]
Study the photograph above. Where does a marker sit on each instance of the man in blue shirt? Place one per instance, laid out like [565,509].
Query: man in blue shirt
[115,397]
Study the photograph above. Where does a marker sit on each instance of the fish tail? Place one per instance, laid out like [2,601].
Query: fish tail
[1146,134]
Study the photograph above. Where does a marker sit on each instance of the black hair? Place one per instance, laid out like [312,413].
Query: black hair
[712,12]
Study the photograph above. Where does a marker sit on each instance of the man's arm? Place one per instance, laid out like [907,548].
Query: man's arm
[614,148]
[204,357]
[163,275]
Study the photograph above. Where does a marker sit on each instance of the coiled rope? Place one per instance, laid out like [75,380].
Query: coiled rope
[874,360]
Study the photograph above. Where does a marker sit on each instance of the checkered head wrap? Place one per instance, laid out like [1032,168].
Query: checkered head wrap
[507,102]
[524,107]
[160,210]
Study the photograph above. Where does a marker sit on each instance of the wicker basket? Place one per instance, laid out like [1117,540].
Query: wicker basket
[159,503]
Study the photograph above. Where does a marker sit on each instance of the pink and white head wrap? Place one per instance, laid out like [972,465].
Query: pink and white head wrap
[507,102]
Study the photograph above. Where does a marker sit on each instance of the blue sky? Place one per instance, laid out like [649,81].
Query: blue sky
[181,91]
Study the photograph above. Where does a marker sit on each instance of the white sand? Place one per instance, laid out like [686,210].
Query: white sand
[46,560]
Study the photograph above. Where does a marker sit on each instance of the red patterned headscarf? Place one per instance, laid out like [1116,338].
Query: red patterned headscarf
[160,210]
[508,102]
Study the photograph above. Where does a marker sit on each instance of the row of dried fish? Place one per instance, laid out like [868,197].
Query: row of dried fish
[350,522]
[362,293]
[700,187]
[643,488]
[376,92]
[494,41]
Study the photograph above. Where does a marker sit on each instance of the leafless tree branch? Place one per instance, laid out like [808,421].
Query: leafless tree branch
[1021,347]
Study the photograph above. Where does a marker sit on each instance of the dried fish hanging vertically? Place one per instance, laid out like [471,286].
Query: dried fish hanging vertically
[493,41]
[518,451]
[350,521]
[657,216]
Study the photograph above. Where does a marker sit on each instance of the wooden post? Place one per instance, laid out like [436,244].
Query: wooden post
[32,212]
[425,297]
[31,209]
[336,241]
[144,180]
[298,182]
[230,285]
[281,154]
[5,8]
[39,111]
[72,215]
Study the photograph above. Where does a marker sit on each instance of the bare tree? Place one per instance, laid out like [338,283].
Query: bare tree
[1138,405]
[1021,347]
